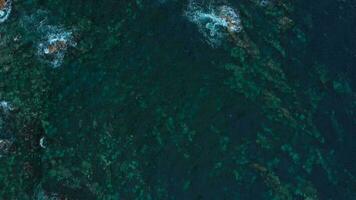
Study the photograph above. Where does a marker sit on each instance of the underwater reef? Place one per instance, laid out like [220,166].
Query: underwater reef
[167,99]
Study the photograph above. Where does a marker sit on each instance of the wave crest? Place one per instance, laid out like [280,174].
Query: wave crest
[216,23]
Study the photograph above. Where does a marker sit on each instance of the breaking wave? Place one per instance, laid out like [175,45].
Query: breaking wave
[216,23]
[52,41]
[5,9]
[54,45]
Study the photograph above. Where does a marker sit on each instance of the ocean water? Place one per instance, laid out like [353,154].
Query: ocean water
[167,99]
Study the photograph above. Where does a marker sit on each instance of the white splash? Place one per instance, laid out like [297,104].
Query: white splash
[52,41]
[5,106]
[42,143]
[5,9]
[215,23]
[54,44]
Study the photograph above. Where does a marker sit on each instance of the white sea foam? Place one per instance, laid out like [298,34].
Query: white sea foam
[53,46]
[5,106]
[43,142]
[6,137]
[215,23]
[52,41]
[5,11]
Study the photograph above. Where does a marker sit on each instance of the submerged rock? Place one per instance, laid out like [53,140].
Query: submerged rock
[215,23]
[50,38]
[55,44]
[5,9]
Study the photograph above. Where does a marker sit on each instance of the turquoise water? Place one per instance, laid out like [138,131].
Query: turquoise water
[177,100]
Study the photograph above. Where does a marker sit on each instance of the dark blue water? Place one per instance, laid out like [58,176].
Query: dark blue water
[144,106]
